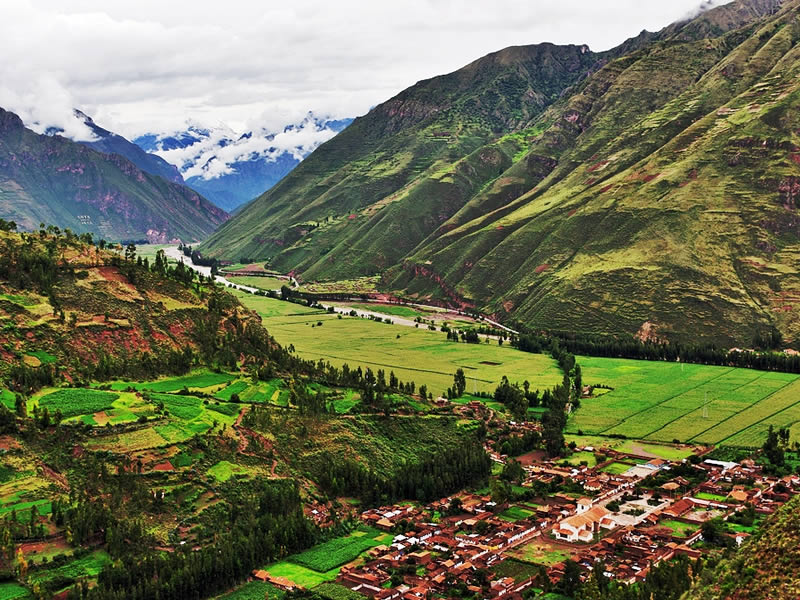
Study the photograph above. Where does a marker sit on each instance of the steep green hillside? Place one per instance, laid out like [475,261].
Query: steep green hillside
[766,566]
[389,163]
[657,190]
[57,181]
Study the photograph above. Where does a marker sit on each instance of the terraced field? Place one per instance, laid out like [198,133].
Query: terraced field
[692,403]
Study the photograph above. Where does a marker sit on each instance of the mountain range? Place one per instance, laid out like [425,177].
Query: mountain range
[230,169]
[650,189]
[50,179]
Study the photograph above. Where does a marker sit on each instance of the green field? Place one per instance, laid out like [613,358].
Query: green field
[515,513]
[301,575]
[199,380]
[87,566]
[262,283]
[77,401]
[13,591]
[519,570]
[679,529]
[419,355]
[663,401]
[616,468]
[254,590]
[224,470]
[539,553]
[338,551]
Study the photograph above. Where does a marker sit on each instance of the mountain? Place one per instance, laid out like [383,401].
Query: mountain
[112,143]
[766,566]
[648,190]
[50,179]
[231,169]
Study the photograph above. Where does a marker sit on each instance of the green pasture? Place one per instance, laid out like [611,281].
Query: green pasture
[324,557]
[419,355]
[199,380]
[13,591]
[262,283]
[679,529]
[703,404]
[254,590]
[515,513]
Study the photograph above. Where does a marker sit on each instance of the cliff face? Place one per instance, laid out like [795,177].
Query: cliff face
[56,181]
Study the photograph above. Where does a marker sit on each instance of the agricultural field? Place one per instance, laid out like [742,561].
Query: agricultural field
[515,513]
[363,342]
[262,283]
[700,404]
[13,591]
[87,566]
[263,392]
[224,470]
[199,380]
[340,551]
[254,590]
[301,575]
[75,401]
[540,553]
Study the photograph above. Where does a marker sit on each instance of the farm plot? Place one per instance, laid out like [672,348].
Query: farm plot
[419,355]
[88,566]
[339,551]
[13,591]
[254,590]
[198,380]
[77,401]
[667,401]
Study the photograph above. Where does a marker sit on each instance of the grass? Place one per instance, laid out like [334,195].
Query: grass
[679,529]
[236,387]
[254,590]
[710,497]
[13,591]
[77,401]
[616,468]
[663,401]
[334,591]
[339,551]
[418,355]
[515,513]
[199,380]
[224,470]
[519,570]
[538,553]
[87,566]
[262,283]
[576,458]
[301,575]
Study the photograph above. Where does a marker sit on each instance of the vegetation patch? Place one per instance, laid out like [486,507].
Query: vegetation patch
[338,551]
[77,401]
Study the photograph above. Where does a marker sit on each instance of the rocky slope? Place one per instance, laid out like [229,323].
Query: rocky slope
[56,181]
[650,186]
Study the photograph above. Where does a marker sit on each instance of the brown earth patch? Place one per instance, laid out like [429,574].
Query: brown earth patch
[532,457]
[542,268]
[163,466]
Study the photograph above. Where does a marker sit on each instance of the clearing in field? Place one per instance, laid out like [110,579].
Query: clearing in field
[515,513]
[414,354]
[224,470]
[663,401]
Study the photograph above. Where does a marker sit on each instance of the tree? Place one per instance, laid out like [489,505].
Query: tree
[459,383]
[571,580]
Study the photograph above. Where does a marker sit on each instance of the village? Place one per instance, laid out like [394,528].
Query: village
[627,522]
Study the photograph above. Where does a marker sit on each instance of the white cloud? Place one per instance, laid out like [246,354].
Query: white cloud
[215,154]
[148,65]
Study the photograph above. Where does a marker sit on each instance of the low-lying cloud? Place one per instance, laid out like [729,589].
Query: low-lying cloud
[219,149]
[147,66]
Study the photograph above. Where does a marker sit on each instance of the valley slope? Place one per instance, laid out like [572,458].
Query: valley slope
[53,180]
[651,187]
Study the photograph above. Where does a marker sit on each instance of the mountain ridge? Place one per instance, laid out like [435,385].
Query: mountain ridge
[50,179]
[552,216]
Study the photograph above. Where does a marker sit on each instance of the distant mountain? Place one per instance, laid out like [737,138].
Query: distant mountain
[231,169]
[650,190]
[53,180]
[112,143]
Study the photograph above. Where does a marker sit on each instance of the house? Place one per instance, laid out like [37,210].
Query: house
[581,527]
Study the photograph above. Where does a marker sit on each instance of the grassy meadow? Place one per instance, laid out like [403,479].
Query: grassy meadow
[419,355]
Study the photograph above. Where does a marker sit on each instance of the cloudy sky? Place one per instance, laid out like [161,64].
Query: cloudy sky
[149,65]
